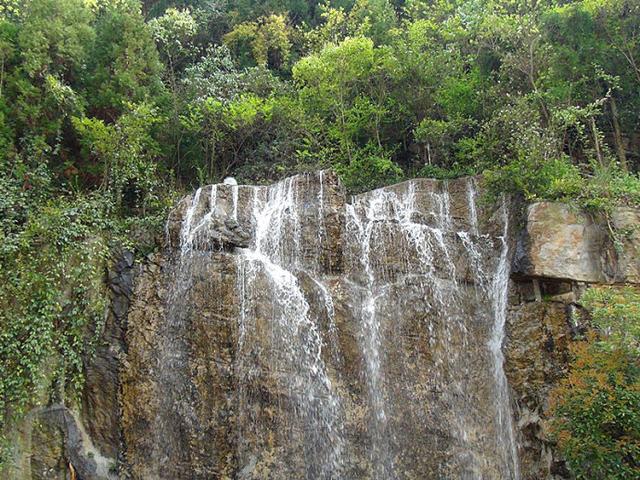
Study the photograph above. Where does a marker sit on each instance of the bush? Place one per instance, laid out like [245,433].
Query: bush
[597,410]
[555,179]
[597,406]
[616,311]
[609,187]
[441,173]
[51,300]
[369,168]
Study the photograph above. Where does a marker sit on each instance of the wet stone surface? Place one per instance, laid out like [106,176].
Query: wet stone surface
[292,332]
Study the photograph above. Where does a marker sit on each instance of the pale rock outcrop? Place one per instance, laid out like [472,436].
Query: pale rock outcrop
[561,242]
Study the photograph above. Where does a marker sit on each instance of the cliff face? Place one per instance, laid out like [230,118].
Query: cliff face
[292,332]
[559,252]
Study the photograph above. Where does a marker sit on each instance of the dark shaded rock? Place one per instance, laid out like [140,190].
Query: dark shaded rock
[101,394]
[60,448]
[537,356]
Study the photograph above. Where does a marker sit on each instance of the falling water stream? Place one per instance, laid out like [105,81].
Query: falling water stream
[397,240]
[296,339]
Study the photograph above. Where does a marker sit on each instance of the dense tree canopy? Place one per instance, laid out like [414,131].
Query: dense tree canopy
[405,88]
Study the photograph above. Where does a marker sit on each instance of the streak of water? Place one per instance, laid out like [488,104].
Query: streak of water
[499,292]
[401,240]
[431,252]
[273,262]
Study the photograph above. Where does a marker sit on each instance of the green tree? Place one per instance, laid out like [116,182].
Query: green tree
[127,155]
[374,19]
[331,83]
[174,32]
[56,38]
[263,42]
[124,66]
[53,44]
[247,134]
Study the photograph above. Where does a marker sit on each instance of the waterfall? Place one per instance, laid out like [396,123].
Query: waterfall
[500,292]
[362,230]
[175,425]
[369,332]
[431,243]
[274,263]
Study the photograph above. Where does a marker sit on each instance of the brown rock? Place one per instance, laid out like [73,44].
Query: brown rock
[292,332]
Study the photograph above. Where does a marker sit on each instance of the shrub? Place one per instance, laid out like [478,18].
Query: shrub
[369,168]
[597,406]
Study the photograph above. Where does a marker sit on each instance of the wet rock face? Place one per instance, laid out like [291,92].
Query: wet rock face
[537,356]
[291,332]
[561,243]
[55,445]
[220,217]
[101,393]
[178,405]
[214,216]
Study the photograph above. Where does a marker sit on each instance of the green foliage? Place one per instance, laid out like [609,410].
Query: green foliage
[44,61]
[374,19]
[441,173]
[174,33]
[124,65]
[332,77]
[248,10]
[345,86]
[537,179]
[598,424]
[253,136]
[263,42]
[78,159]
[126,152]
[214,76]
[531,92]
[51,301]
[434,138]
[369,168]
[558,179]
[10,9]
[56,37]
[535,165]
[597,406]
[610,186]
[616,311]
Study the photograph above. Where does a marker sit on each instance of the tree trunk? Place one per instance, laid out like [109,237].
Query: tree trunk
[596,142]
[617,135]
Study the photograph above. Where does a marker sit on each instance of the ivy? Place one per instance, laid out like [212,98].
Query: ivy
[52,300]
